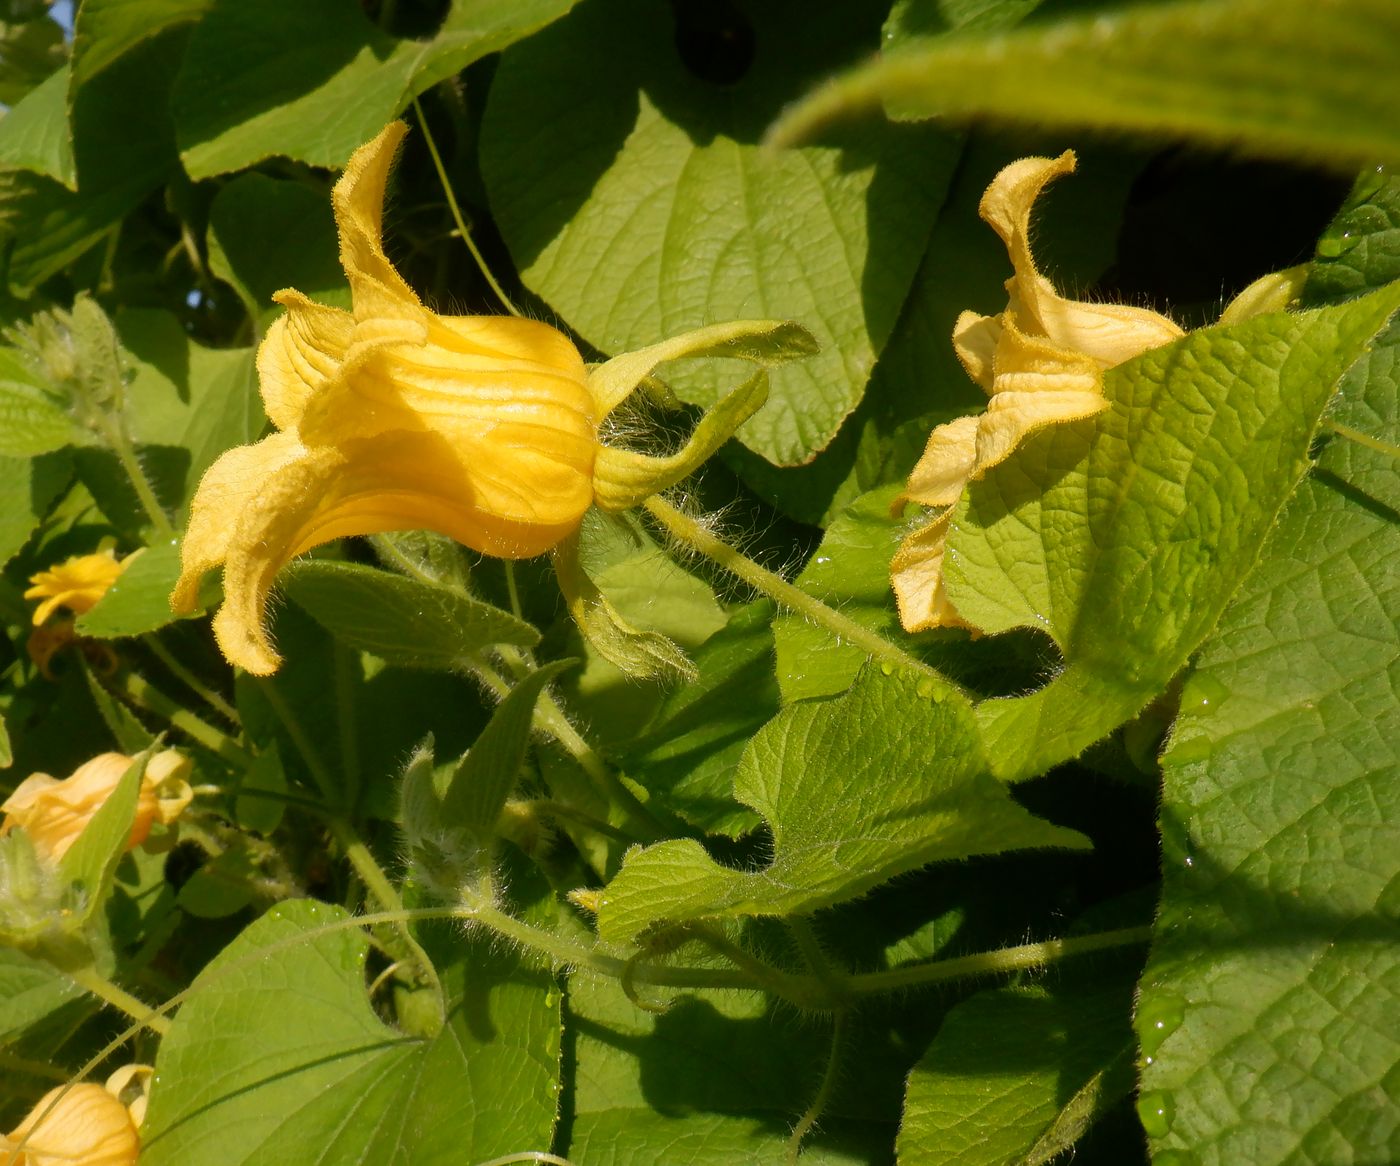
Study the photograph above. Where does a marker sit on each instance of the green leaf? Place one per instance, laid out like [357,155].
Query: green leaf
[850,567]
[1238,73]
[29,991]
[314,80]
[306,1071]
[1281,853]
[485,777]
[139,601]
[402,621]
[636,201]
[34,132]
[27,488]
[1125,537]
[30,422]
[1360,251]
[116,167]
[109,29]
[129,733]
[718,1079]
[186,403]
[1016,1074]
[687,759]
[91,862]
[253,209]
[882,780]
[7,756]
[1281,850]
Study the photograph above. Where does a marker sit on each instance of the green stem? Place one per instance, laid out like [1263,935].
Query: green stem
[190,680]
[686,530]
[346,722]
[557,809]
[1009,959]
[457,213]
[9,1063]
[551,720]
[1365,439]
[835,981]
[121,445]
[99,986]
[382,890]
[141,693]
[310,755]
[824,1090]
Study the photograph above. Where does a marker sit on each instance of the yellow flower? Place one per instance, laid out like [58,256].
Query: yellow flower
[55,812]
[392,417]
[88,1125]
[1041,362]
[77,583]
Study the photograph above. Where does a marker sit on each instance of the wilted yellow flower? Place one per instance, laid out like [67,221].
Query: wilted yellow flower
[1041,362]
[87,1126]
[55,812]
[392,417]
[77,583]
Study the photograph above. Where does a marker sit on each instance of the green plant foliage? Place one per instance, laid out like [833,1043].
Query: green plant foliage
[307,1069]
[1239,73]
[314,80]
[639,205]
[670,844]
[805,772]
[403,621]
[1298,683]
[1072,1049]
[1127,559]
[139,601]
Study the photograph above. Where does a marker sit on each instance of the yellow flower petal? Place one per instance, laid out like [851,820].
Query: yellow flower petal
[77,583]
[301,352]
[228,486]
[358,201]
[54,813]
[941,473]
[916,573]
[975,343]
[1107,333]
[87,1127]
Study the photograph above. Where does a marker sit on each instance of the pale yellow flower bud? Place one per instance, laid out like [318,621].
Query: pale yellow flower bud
[87,1127]
[55,812]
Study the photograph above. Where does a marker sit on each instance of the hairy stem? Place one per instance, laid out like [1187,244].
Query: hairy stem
[690,533]
[91,981]
[382,890]
[1008,959]
[140,692]
[190,680]
[1365,439]
[824,1091]
[551,720]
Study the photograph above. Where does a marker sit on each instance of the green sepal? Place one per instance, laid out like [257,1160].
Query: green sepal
[623,479]
[641,655]
[765,342]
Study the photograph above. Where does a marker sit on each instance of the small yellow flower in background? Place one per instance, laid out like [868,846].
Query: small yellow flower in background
[1041,362]
[55,812]
[392,417]
[77,583]
[89,1125]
